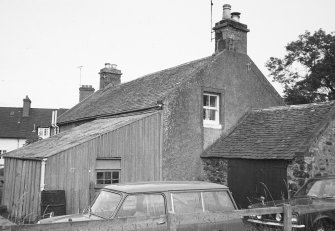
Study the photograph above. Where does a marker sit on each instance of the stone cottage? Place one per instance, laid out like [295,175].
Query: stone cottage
[153,128]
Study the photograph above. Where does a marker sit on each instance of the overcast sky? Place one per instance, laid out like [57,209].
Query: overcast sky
[42,42]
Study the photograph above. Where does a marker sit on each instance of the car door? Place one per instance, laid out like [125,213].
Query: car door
[216,202]
[142,209]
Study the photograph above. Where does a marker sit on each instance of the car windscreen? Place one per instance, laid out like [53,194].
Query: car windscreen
[105,204]
[319,188]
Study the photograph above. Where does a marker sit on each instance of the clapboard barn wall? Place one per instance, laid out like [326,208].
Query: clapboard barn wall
[137,144]
[22,188]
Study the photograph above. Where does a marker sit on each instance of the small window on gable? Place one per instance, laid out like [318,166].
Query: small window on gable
[108,171]
[211,110]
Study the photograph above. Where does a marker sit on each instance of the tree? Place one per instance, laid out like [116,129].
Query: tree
[307,71]
[32,138]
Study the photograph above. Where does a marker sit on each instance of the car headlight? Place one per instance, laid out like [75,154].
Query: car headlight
[259,217]
[278,217]
[294,218]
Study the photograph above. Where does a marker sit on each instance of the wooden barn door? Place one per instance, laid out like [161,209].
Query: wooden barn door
[250,179]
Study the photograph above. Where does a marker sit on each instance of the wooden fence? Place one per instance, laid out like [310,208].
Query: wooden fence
[173,221]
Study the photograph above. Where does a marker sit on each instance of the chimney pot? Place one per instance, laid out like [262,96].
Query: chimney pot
[108,66]
[235,16]
[226,11]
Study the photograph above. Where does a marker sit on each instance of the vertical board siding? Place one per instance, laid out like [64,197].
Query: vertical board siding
[137,144]
[21,190]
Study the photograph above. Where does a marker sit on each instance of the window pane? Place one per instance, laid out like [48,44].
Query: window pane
[105,204]
[100,175]
[217,201]
[115,175]
[143,205]
[206,100]
[207,113]
[100,181]
[108,175]
[212,114]
[108,181]
[187,202]
[115,181]
[213,101]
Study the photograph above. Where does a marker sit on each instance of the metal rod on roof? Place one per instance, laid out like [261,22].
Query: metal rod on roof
[211,20]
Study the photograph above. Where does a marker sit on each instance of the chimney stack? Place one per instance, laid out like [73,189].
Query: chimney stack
[85,91]
[230,34]
[109,75]
[26,107]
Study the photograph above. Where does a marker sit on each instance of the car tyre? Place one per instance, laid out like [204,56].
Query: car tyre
[324,226]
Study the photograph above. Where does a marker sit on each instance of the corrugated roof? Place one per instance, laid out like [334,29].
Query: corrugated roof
[13,125]
[73,137]
[273,133]
[135,95]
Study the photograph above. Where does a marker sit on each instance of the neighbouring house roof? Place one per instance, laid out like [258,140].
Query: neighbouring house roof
[273,133]
[145,92]
[72,137]
[14,125]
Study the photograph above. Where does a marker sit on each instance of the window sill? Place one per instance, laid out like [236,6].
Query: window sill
[215,126]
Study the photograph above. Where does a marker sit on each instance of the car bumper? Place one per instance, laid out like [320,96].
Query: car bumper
[269,223]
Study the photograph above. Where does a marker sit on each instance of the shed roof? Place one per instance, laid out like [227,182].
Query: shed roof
[72,137]
[14,125]
[273,133]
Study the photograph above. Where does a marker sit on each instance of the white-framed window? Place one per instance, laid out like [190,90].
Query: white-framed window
[108,171]
[43,132]
[211,110]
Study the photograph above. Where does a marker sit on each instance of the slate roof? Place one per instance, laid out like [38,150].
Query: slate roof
[71,138]
[13,125]
[273,133]
[139,94]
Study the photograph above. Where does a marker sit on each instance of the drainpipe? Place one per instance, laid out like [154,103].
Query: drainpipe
[42,186]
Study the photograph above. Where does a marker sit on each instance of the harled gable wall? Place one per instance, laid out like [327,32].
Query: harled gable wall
[243,87]
[185,138]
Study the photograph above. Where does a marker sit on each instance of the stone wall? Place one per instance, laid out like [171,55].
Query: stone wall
[318,161]
[215,170]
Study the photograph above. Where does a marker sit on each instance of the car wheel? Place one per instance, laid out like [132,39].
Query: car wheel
[323,226]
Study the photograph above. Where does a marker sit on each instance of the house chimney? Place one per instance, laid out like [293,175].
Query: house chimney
[230,34]
[26,107]
[85,91]
[109,75]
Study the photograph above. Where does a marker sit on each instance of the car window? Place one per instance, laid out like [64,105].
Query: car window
[105,204]
[217,201]
[186,202]
[152,205]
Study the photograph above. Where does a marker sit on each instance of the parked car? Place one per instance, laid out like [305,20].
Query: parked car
[316,191]
[152,200]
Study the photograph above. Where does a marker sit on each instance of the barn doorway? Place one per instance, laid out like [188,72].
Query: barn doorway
[250,179]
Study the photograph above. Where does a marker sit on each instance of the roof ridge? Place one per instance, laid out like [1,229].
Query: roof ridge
[295,106]
[320,128]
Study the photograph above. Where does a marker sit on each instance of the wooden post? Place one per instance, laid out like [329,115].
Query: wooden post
[287,217]
[172,222]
